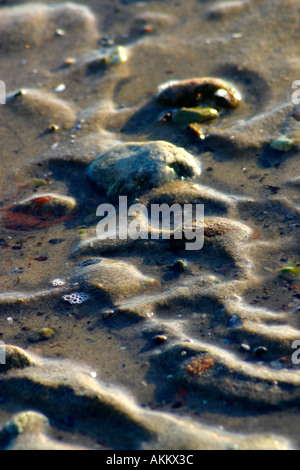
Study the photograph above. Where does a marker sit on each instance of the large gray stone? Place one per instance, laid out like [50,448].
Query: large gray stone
[133,168]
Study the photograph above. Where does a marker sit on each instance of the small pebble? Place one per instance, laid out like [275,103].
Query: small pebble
[260,351]
[159,339]
[60,32]
[60,88]
[41,335]
[70,61]
[180,265]
[283,144]
[53,128]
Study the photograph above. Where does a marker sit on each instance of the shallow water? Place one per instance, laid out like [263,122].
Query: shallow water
[156,358]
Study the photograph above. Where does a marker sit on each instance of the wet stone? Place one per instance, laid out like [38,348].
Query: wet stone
[41,335]
[193,92]
[39,212]
[15,358]
[134,168]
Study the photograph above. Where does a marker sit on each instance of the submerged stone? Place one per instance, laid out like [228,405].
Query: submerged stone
[38,212]
[134,168]
[28,421]
[290,273]
[186,116]
[116,55]
[283,144]
[195,91]
[41,335]
[15,358]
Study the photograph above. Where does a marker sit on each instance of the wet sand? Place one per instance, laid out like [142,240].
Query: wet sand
[156,357]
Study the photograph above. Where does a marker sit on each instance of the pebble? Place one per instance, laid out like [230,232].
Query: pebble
[186,116]
[37,212]
[283,144]
[159,339]
[260,351]
[60,32]
[193,92]
[41,335]
[60,88]
[180,265]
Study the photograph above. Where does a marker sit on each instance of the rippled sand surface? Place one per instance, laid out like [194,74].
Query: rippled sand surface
[161,354]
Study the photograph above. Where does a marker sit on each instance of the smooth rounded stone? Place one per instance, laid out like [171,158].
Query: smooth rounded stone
[185,116]
[225,9]
[115,279]
[46,203]
[29,421]
[134,168]
[63,389]
[15,358]
[43,108]
[283,144]
[27,431]
[41,335]
[197,91]
[36,23]
[39,211]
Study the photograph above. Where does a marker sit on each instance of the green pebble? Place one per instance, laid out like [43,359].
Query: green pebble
[186,116]
[41,335]
[282,144]
[37,182]
[45,333]
[290,273]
